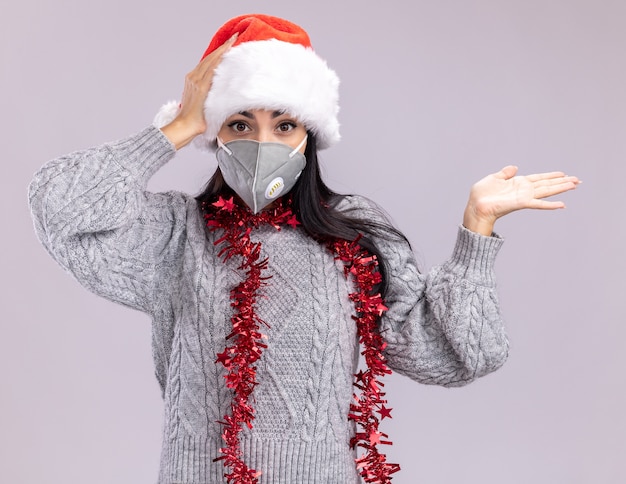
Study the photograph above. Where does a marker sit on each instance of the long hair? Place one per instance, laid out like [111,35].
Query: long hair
[315,205]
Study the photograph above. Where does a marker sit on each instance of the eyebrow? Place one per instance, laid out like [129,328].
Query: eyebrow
[249,115]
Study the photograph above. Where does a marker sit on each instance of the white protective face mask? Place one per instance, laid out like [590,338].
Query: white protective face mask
[259,172]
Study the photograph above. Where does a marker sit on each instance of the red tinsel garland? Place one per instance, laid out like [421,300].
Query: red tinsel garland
[247,342]
[373,465]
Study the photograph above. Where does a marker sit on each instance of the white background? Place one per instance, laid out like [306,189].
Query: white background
[434,95]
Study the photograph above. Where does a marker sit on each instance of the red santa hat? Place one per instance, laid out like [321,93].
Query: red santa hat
[270,66]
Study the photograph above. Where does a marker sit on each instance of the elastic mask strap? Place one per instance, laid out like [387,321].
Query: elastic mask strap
[297,148]
[223,146]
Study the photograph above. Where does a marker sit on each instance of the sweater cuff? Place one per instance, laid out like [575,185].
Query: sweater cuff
[144,153]
[474,256]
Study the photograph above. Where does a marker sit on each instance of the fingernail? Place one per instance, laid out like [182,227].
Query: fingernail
[234,37]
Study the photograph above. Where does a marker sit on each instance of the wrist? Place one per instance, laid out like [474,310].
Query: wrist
[479,224]
[180,132]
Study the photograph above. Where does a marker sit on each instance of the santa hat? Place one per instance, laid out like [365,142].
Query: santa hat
[270,66]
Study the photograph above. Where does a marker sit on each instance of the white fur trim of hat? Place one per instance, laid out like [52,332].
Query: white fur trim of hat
[273,75]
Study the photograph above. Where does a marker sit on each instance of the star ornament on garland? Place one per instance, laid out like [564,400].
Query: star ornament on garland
[384,412]
[227,205]
[293,221]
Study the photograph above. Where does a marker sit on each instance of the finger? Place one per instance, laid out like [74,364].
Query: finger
[551,190]
[546,205]
[557,181]
[506,173]
[211,61]
[545,176]
[216,55]
[229,43]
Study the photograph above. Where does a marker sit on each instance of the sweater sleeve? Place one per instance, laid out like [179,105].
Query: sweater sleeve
[442,327]
[93,215]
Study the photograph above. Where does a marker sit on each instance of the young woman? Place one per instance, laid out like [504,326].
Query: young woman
[264,287]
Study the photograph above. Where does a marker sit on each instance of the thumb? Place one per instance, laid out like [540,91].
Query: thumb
[506,172]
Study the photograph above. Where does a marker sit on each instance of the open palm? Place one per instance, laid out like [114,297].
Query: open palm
[501,193]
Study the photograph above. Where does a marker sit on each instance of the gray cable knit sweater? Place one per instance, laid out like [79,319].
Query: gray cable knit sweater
[151,251]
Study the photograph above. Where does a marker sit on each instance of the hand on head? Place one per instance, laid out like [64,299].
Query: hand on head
[190,120]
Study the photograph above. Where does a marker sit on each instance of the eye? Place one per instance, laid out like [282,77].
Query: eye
[286,126]
[239,126]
